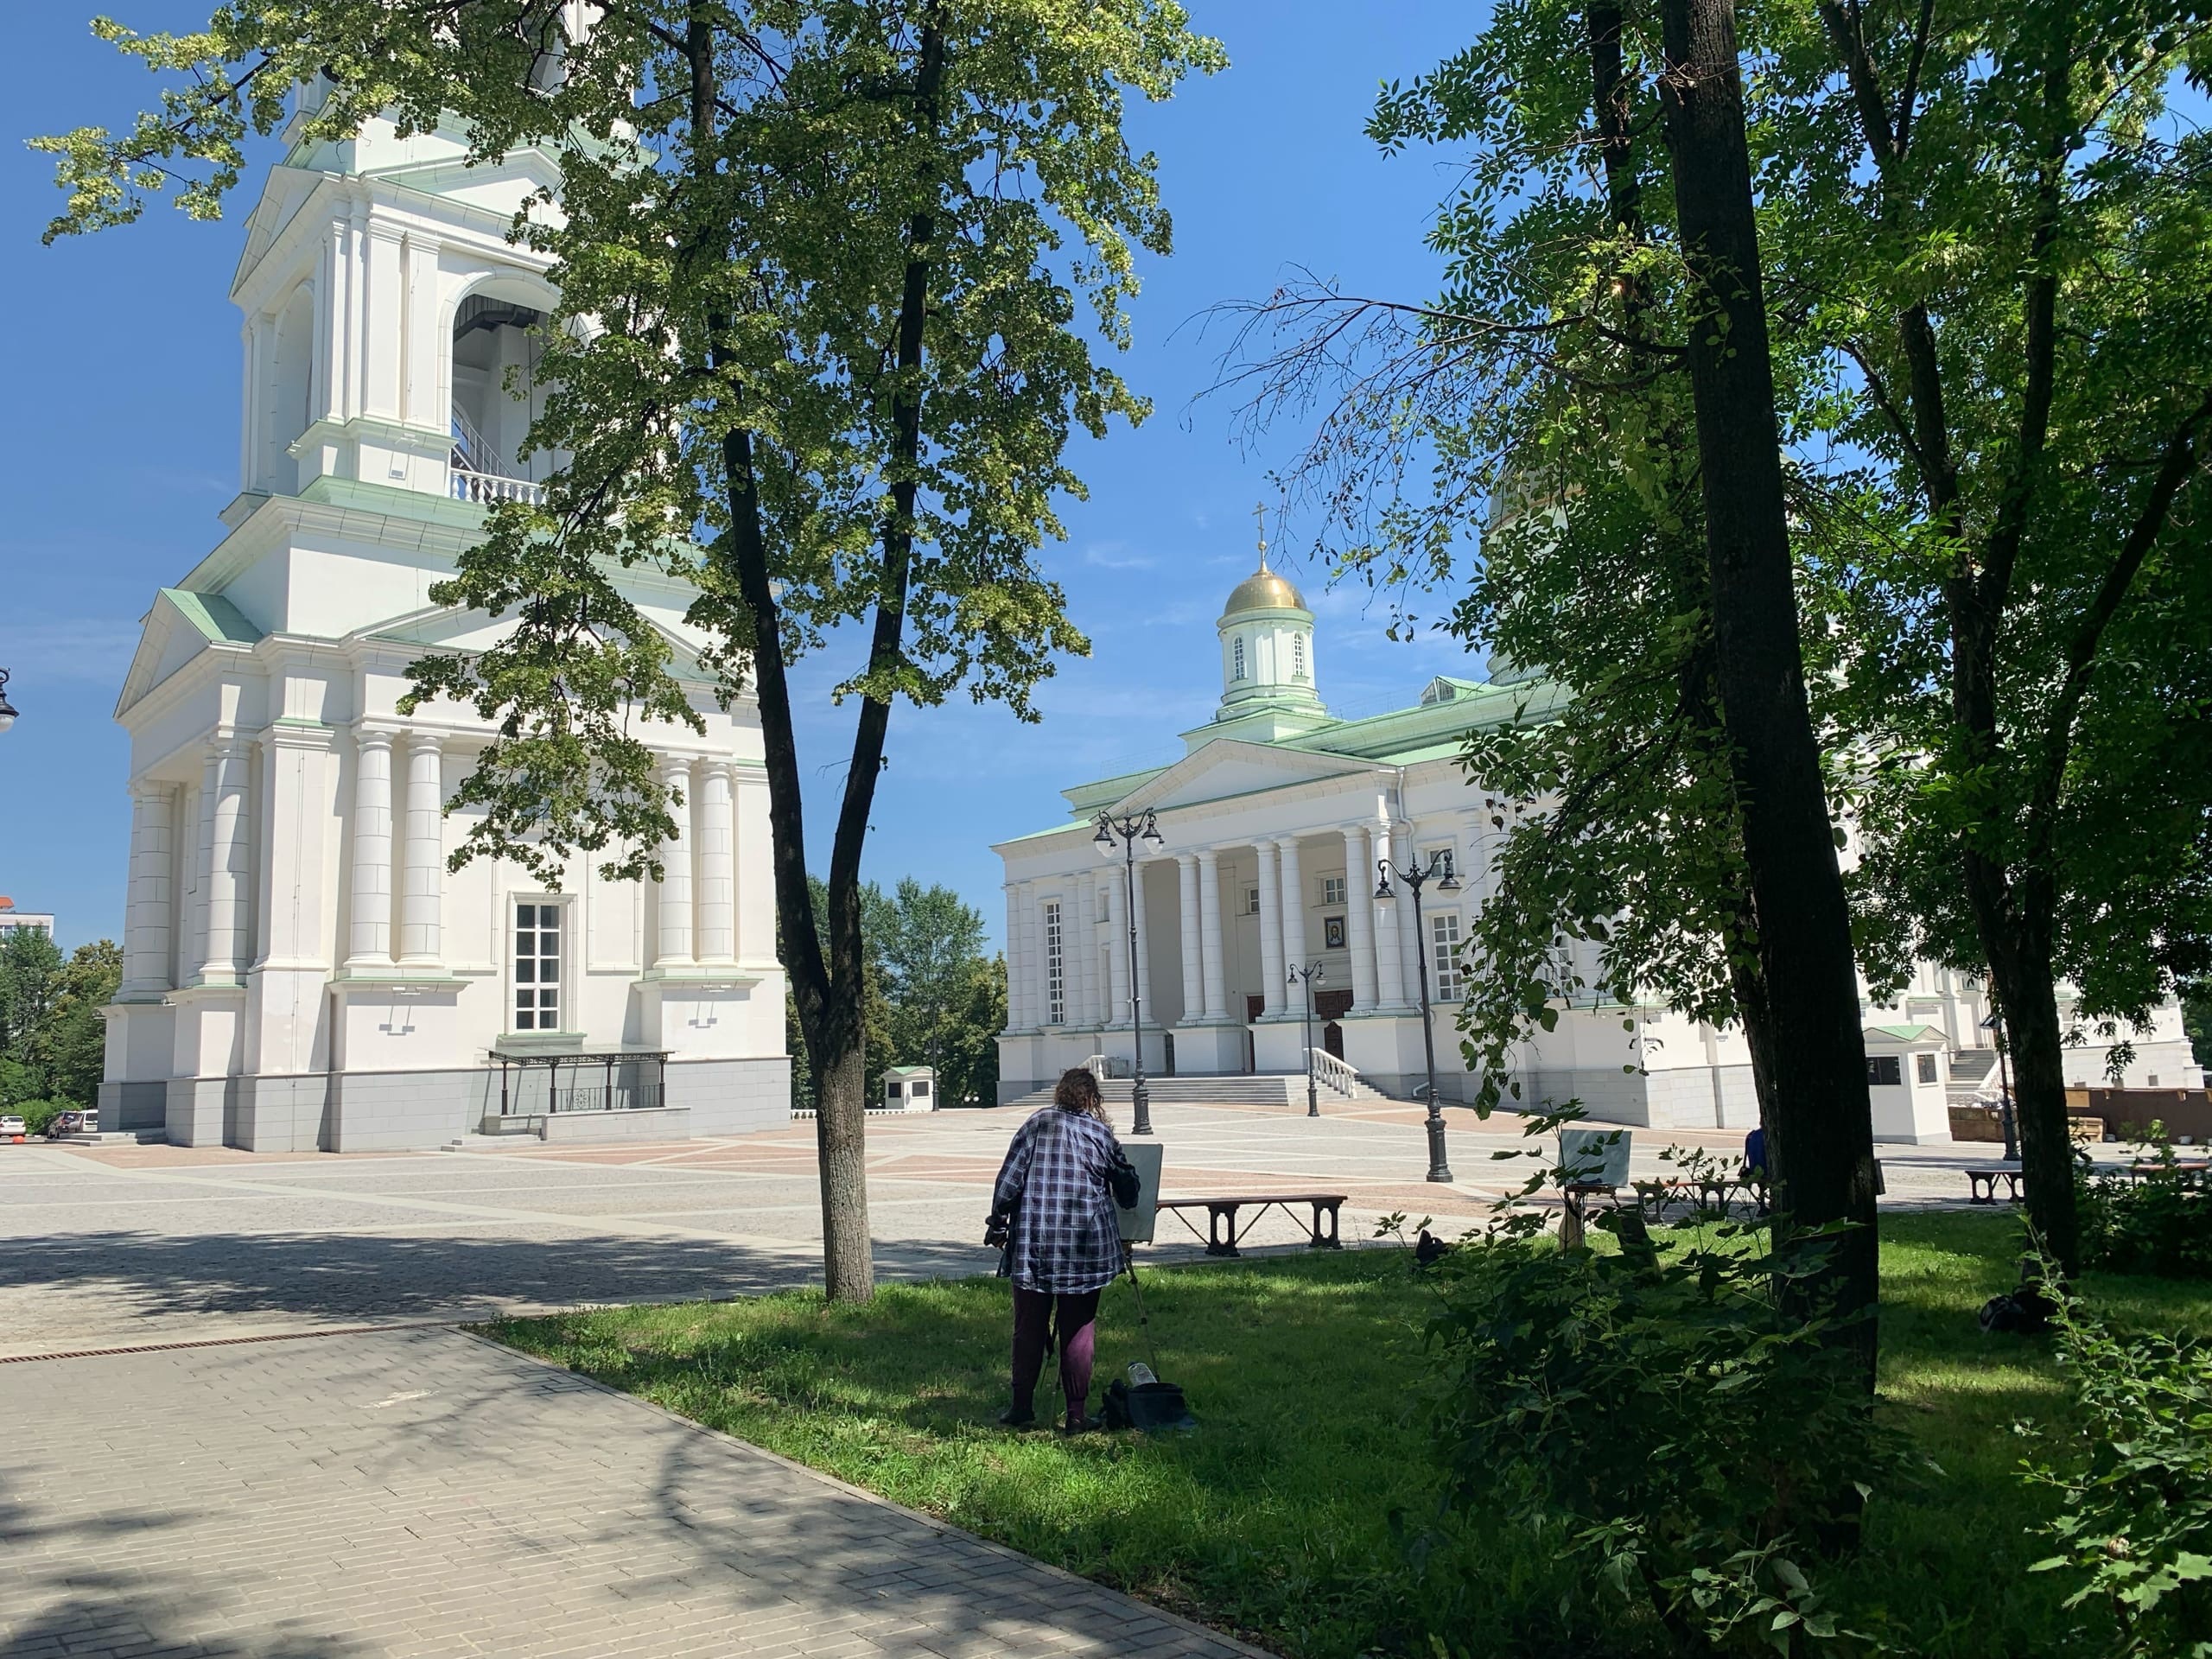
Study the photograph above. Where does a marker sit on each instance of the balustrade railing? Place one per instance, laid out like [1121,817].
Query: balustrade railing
[1333,1073]
[484,488]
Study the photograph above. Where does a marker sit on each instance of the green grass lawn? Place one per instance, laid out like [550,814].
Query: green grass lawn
[1281,1518]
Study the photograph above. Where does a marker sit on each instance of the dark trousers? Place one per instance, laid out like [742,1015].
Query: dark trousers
[1078,1314]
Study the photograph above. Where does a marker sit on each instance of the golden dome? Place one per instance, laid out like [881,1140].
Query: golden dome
[1263,590]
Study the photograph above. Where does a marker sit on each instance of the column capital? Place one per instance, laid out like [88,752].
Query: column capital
[368,737]
[419,740]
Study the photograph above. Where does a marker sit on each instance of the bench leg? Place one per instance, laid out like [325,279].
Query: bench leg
[1216,1244]
[1329,1240]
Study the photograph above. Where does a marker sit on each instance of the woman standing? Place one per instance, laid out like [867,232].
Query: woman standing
[1054,1198]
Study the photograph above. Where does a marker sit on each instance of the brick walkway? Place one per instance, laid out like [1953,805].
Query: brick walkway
[423,1492]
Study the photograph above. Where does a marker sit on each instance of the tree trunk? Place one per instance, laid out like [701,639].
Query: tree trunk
[2022,972]
[841,1089]
[1822,1131]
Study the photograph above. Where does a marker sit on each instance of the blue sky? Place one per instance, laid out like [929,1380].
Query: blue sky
[119,443]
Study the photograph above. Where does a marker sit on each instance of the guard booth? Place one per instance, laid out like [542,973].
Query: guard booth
[910,1089]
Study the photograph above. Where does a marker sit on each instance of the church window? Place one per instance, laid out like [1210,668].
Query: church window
[538,967]
[1332,890]
[1297,655]
[1886,1071]
[1056,975]
[1236,659]
[1444,956]
[1251,901]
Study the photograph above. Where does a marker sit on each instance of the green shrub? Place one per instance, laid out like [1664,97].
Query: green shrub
[1655,1414]
[2157,1223]
[2135,1525]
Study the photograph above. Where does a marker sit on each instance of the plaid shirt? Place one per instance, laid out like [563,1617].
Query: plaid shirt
[1066,1238]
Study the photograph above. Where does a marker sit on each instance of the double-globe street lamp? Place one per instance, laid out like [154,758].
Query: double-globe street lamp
[1128,832]
[1308,975]
[1439,870]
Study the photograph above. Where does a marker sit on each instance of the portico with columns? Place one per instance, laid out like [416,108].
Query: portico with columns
[1272,825]
[302,967]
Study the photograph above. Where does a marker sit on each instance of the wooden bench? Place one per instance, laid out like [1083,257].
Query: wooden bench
[1712,1194]
[2190,1171]
[1225,1222]
[1981,1184]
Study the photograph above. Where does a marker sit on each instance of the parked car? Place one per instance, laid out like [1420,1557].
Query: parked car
[63,1123]
[11,1128]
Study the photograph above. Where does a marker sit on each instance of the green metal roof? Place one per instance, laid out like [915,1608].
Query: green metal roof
[214,616]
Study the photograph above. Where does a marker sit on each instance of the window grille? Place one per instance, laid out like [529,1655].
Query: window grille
[538,967]
[1444,956]
[1236,659]
[1298,655]
[1055,979]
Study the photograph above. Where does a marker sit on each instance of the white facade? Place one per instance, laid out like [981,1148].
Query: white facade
[300,968]
[1272,826]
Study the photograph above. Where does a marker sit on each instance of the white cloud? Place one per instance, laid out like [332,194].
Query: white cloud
[77,649]
[1117,555]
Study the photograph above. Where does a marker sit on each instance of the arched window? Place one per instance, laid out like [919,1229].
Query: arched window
[1297,655]
[1236,659]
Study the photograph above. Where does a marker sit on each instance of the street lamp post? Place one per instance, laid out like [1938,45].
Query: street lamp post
[2008,1121]
[1439,870]
[1308,973]
[7,708]
[1128,832]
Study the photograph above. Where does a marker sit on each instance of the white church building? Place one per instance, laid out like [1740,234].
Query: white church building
[301,969]
[1272,827]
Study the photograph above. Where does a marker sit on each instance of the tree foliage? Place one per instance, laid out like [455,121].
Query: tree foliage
[830,277]
[53,1041]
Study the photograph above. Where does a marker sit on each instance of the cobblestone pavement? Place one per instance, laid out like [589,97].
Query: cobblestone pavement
[424,1493]
[128,1245]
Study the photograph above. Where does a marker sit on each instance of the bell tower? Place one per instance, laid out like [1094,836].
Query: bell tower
[1266,649]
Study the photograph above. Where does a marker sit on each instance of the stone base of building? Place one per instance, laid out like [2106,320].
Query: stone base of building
[596,1129]
[139,1107]
[414,1111]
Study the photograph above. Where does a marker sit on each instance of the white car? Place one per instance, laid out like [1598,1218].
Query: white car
[11,1128]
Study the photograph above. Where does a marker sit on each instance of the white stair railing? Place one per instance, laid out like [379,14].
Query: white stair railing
[1334,1073]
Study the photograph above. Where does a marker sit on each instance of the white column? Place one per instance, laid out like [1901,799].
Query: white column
[1271,965]
[676,868]
[146,924]
[1390,953]
[717,865]
[423,855]
[1117,953]
[1293,907]
[369,936]
[1012,890]
[1144,951]
[754,851]
[1186,889]
[1217,971]
[1359,901]
[229,865]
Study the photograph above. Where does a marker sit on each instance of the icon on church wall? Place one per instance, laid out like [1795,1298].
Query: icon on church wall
[1332,932]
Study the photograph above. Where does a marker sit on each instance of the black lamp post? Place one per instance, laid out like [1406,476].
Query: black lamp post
[1129,830]
[1440,871]
[2008,1121]
[1308,973]
[7,708]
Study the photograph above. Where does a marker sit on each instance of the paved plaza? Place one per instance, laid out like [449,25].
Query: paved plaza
[306,1456]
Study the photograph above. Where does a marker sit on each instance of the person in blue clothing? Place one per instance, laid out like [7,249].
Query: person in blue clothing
[1054,1202]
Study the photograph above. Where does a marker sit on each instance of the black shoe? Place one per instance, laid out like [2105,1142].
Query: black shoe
[1089,1423]
[1013,1419]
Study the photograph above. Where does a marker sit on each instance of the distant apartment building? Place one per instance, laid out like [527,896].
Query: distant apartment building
[11,918]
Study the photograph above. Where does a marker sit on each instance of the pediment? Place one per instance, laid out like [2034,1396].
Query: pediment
[180,627]
[1228,768]
[444,628]
[287,189]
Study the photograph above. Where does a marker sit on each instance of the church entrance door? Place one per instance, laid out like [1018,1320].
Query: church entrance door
[1332,1038]
[1254,1008]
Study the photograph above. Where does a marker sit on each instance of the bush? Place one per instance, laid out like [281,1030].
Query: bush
[37,1114]
[2157,1223]
[2135,1527]
[1654,1414]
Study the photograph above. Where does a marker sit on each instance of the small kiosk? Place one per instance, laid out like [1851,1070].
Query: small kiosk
[910,1089]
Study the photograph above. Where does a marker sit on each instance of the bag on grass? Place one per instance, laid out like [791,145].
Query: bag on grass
[1149,1408]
